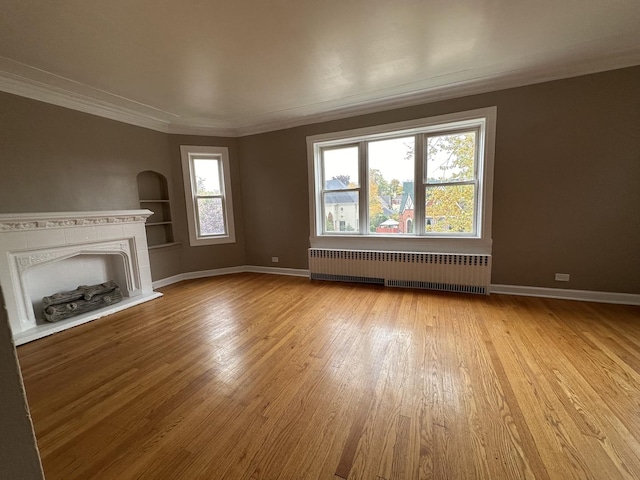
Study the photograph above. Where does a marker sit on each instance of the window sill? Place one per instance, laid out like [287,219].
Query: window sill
[404,244]
[203,242]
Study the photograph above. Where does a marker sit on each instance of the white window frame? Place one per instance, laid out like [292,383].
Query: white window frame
[188,154]
[483,120]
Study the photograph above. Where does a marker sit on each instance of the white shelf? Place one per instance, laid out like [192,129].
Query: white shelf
[154,193]
[152,224]
[164,245]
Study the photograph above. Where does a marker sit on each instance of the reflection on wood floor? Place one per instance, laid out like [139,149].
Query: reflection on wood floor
[254,376]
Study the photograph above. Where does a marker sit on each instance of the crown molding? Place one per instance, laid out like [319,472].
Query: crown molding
[36,90]
[327,111]
[203,130]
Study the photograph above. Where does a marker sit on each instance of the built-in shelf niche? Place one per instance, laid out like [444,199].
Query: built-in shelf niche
[154,195]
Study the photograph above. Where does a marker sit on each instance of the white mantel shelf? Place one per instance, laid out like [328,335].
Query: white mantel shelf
[31,240]
[44,220]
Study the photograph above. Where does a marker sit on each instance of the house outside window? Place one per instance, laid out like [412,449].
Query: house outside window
[207,186]
[407,185]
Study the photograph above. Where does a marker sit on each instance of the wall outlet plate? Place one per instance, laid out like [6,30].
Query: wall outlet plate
[562,277]
[275,259]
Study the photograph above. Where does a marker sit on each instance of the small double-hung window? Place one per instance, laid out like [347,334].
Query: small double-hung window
[208,195]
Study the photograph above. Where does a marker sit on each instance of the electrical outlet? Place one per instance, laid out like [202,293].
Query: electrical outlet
[562,277]
[275,259]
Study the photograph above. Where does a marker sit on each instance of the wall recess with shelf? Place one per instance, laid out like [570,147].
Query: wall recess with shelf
[153,193]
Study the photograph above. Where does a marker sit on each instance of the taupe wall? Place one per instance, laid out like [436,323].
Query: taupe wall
[182,258]
[56,159]
[19,458]
[211,256]
[567,182]
[275,193]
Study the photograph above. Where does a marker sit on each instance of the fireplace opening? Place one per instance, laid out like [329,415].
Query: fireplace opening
[67,274]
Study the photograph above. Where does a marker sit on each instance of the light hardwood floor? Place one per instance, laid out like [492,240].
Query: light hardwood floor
[255,376]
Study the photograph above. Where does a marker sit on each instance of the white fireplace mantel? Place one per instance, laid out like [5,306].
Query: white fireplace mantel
[31,241]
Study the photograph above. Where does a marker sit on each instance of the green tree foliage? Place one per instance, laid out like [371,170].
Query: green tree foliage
[383,187]
[395,188]
[375,206]
[210,215]
[329,223]
[375,221]
[452,159]
[380,187]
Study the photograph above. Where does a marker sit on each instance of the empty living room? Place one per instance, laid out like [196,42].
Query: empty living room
[320,240]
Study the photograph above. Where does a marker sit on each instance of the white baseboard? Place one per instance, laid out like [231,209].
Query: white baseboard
[559,293]
[229,270]
[295,272]
[565,294]
[168,281]
[214,273]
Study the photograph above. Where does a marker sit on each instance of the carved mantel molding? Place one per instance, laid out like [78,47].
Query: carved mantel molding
[30,259]
[38,221]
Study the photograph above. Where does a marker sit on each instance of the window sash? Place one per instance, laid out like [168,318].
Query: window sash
[325,214]
[196,197]
[199,216]
[476,154]
[324,190]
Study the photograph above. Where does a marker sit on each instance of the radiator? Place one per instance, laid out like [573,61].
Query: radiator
[435,271]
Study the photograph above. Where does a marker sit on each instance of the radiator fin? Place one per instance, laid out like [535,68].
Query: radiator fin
[446,287]
[469,273]
[346,278]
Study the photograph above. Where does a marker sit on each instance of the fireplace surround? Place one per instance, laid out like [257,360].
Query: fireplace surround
[44,253]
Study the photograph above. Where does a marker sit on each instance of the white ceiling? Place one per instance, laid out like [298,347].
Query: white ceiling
[238,67]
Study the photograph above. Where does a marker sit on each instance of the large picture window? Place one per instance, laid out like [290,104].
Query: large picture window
[427,180]
[208,194]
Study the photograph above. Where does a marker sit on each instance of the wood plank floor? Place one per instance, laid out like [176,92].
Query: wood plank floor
[255,376]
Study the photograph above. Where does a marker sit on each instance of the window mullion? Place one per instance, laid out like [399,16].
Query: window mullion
[452,183]
[363,166]
[223,205]
[320,187]
[419,207]
[478,182]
